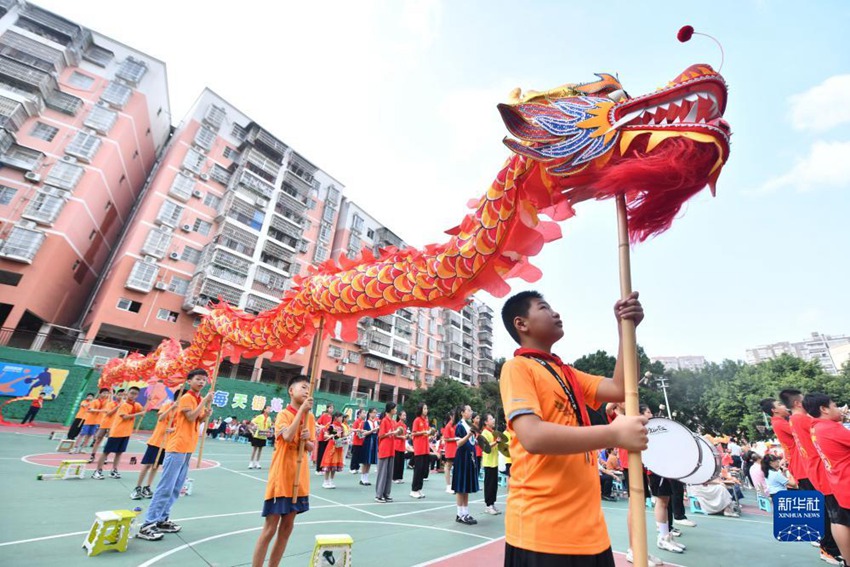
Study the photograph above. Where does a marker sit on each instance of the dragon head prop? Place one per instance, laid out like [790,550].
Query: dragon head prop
[593,141]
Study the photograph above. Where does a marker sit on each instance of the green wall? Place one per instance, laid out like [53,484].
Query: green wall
[82,379]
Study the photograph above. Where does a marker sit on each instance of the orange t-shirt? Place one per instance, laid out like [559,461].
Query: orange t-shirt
[81,413]
[108,421]
[158,435]
[185,435]
[554,505]
[91,417]
[285,458]
[124,427]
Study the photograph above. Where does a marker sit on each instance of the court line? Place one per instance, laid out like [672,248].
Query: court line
[153,560]
[192,518]
[26,457]
[456,553]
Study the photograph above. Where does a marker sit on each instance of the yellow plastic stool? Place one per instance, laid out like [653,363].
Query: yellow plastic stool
[65,446]
[111,530]
[70,468]
[332,550]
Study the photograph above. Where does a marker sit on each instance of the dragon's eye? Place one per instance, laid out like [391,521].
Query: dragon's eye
[618,95]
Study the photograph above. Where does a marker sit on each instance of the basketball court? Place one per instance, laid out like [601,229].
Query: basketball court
[45,522]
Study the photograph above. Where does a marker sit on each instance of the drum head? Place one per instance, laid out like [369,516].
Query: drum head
[673,451]
[709,466]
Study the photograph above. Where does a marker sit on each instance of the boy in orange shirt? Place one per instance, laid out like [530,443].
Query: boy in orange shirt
[293,425]
[191,411]
[110,408]
[80,418]
[94,415]
[155,453]
[119,433]
[554,509]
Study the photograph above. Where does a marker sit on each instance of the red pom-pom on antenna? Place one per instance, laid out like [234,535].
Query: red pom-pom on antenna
[685,33]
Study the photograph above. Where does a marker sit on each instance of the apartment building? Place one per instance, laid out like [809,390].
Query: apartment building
[83,119]
[818,347]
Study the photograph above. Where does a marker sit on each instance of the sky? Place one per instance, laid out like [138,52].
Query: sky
[397,100]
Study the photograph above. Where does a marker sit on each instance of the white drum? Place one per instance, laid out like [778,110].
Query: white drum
[673,451]
[709,466]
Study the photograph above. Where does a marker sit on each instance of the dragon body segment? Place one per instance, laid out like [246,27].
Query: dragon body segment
[572,143]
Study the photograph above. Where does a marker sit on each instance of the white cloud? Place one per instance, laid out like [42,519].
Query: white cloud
[826,166]
[823,106]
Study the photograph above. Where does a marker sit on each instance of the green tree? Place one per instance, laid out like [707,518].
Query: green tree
[443,396]
[499,363]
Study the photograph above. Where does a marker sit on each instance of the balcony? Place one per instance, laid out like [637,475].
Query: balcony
[51,27]
[203,290]
[277,256]
[236,239]
[385,237]
[487,367]
[266,143]
[485,337]
[300,187]
[257,305]
[270,283]
[253,183]
[485,324]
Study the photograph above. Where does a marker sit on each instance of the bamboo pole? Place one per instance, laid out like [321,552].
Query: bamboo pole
[315,353]
[209,405]
[637,498]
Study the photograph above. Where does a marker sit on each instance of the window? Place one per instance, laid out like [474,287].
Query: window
[333,195]
[129,305]
[166,315]
[98,55]
[80,81]
[328,214]
[191,255]
[142,276]
[194,161]
[65,175]
[204,138]
[432,344]
[178,285]
[44,207]
[220,174]
[22,244]
[44,131]
[334,351]
[116,94]
[6,194]
[182,187]
[238,132]
[202,227]
[429,362]
[84,146]
[372,363]
[370,233]
[325,232]
[132,70]
[353,357]
[420,338]
[212,201]
[22,158]
[321,254]
[169,213]
[101,119]
[157,242]
[357,223]
[215,116]
[63,102]
[230,153]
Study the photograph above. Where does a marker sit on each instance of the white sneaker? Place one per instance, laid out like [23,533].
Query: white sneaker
[251,465]
[491,510]
[685,522]
[665,543]
[651,560]
[326,484]
[417,494]
[449,490]
[320,473]
[331,485]
[829,559]
[257,465]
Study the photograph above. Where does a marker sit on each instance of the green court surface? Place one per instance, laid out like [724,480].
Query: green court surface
[45,522]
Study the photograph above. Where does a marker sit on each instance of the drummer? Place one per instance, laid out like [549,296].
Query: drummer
[490,464]
[260,428]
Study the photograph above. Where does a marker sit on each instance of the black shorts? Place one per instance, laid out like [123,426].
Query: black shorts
[646,491]
[508,470]
[660,486]
[150,455]
[116,444]
[255,442]
[837,514]
[516,557]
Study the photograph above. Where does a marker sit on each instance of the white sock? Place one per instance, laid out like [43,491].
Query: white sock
[460,511]
[466,510]
[663,528]
[364,477]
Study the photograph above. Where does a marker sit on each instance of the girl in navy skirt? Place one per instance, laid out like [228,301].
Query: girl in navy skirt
[369,452]
[465,471]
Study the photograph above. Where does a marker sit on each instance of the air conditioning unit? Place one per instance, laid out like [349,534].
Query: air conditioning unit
[27,224]
[162,286]
[32,177]
[197,194]
[174,256]
[344,360]
[261,202]
[69,159]
[340,368]
[204,177]
[90,131]
[150,259]
[186,228]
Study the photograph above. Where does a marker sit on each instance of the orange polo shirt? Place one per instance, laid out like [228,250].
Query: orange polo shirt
[285,458]
[554,505]
[91,417]
[81,413]
[158,435]
[124,427]
[108,421]
[185,435]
